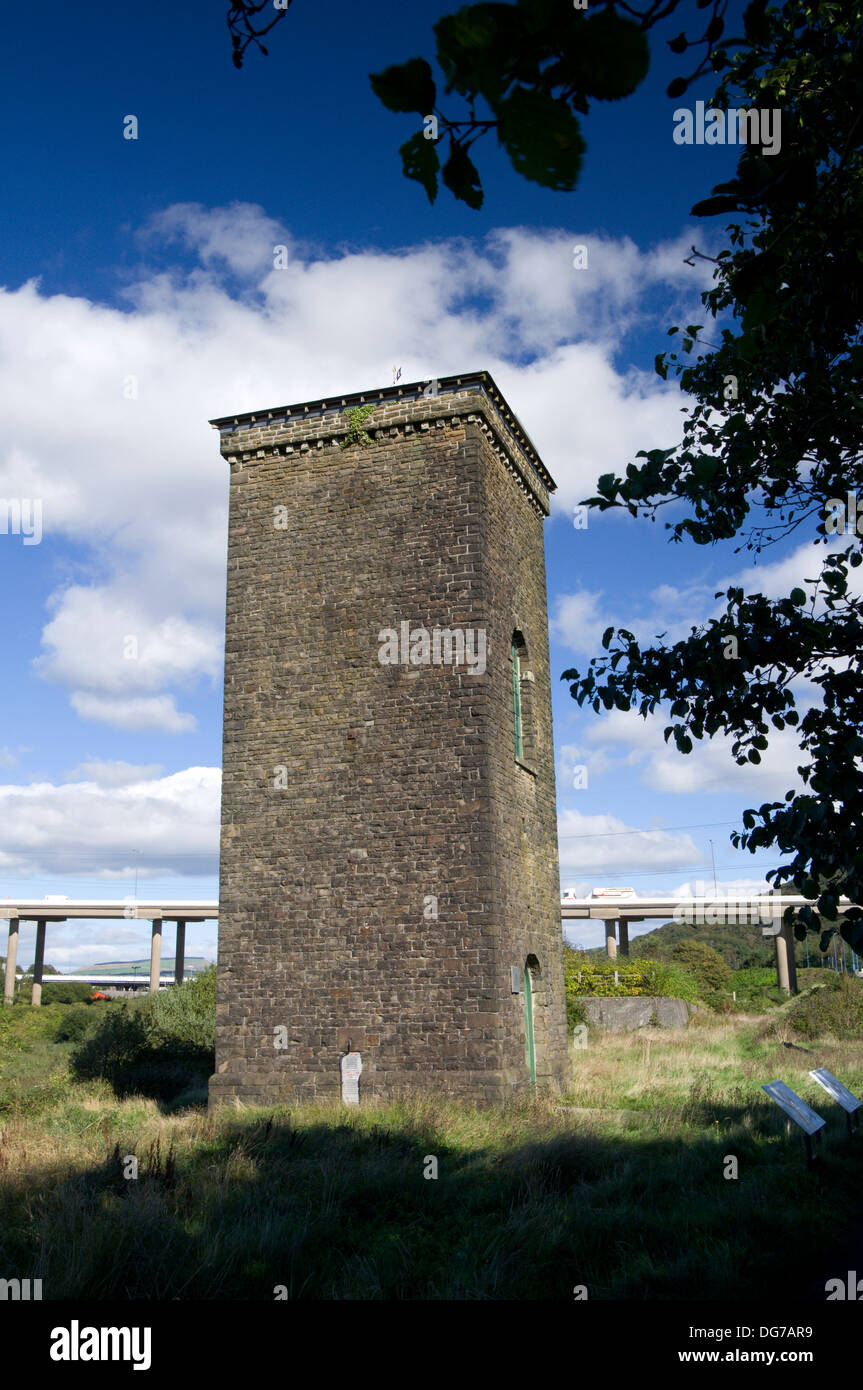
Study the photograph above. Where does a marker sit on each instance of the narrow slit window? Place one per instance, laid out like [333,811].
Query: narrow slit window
[516,701]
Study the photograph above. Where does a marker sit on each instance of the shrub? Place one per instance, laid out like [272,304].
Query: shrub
[56,991]
[118,1040]
[9,1038]
[160,1046]
[757,988]
[707,965]
[754,978]
[187,1014]
[834,1009]
[668,979]
[77,1022]
[575,1011]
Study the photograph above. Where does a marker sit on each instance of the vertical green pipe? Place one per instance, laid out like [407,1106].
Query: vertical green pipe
[516,700]
[530,1049]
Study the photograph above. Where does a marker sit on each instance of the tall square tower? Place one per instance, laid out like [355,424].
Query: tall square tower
[389,870]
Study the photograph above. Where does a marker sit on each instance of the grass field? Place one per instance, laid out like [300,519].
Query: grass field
[623,1192]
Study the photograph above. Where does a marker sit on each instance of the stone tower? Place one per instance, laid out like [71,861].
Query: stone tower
[389,871]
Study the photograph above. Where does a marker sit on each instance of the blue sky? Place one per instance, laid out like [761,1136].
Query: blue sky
[139,299]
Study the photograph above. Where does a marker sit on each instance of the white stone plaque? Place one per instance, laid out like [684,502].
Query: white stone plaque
[352,1065]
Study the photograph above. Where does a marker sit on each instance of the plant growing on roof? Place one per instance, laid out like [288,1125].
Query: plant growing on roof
[355,420]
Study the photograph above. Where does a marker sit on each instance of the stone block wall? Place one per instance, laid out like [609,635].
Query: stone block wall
[385,859]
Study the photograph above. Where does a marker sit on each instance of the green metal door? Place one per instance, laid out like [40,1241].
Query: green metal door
[530,1049]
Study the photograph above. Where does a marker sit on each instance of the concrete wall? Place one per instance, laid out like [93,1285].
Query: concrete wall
[625,1015]
[401,784]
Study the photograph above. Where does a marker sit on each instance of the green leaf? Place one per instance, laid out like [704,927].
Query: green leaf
[708,207]
[542,138]
[461,176]
[406,87]
[616,55]
[754,25]
[420,161]
[475,48]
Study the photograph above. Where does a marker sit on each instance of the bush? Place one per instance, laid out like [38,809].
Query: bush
[9,1038]
[707,965]
[575,1011]
[754,978]
[77,1022]
[668,979]
[160,1046]
[834,1009]
[56,991]
[757,988]
[187,1014]
[593,976]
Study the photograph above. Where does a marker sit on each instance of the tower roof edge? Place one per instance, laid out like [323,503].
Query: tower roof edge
[407,392]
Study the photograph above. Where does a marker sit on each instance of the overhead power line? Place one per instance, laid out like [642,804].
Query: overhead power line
[657,830]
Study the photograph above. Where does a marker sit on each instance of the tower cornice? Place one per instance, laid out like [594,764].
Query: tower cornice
[313,424]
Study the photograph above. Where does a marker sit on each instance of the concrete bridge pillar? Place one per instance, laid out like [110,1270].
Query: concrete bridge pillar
[36,997]
[11,962]
[611,938]
[180,952]
[786,969]
[156,955]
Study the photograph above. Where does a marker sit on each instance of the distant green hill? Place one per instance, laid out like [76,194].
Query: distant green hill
[193,964]
[741,947]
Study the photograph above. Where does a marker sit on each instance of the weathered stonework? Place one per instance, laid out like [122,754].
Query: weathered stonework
[359,799]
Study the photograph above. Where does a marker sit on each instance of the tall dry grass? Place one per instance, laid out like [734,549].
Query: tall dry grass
[619,1186]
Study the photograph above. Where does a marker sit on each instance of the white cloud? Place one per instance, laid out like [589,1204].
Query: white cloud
[107,649]
[624,738]
[710,768]
[136,712]
[595,846]
[777,578]
[113,774]
[703,887]
[128,468]
[168,825]
[609,415]
[576,621]
[240,235]
[540,296]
